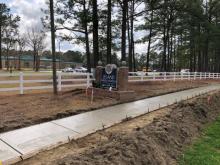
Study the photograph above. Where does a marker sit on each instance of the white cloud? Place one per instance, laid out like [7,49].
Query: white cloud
[29,11]
[141,48]
[31,14]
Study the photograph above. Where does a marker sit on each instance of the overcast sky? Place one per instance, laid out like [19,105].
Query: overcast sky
[30,13]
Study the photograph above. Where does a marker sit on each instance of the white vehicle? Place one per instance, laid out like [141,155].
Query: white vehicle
[81,69]
[68,70]
[185,71]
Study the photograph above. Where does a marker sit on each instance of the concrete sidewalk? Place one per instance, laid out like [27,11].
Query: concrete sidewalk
[27,142]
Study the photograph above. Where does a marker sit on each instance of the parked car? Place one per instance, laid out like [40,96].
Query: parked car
[67,70]
[185,71]
[81,69]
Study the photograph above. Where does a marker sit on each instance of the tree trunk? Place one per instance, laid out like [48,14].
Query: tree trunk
[191,49]
[149,40]
[164,59]
[199,51]
[123,37]
[19,60]
[87,37]
[171,50]
[53,44]
[132,35]
[34,62]
[0,47]
[206,54]
[87,49]
[194,60]
[95,33]
[37,63]
[130,32]
[133,56]
[109,33]
[199,61]
[129,44]
[7,59]
[174,56]
[168,49]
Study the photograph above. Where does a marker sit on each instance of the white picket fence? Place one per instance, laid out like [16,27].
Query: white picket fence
[168,76]
[84,80]
[64,80]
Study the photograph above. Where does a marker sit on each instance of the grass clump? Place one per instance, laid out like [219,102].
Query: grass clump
[206,150]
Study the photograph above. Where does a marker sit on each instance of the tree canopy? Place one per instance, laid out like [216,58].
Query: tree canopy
[176,34]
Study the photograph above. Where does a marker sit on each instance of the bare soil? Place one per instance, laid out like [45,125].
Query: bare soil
[19,111]
[158,138]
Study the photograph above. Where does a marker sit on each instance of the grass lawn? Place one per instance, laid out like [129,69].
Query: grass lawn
[206,150]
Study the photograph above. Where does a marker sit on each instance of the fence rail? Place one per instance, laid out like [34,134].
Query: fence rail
[40,81]
[168,76]
[43,81]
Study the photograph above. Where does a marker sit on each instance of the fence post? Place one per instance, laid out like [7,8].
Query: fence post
[174,76]
[189,76]
[60,81]
[195,75]
[205,75]
[142,76]
[154,76]
[181,75]
[21,83]
[88,80]
[200,75]
[209,75]
[165,76]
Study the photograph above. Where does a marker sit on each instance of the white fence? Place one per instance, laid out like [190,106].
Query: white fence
[165,76]
[39,81]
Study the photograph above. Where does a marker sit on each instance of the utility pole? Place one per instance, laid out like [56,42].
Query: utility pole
[53,47]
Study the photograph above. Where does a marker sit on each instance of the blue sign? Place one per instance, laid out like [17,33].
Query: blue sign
[109,79]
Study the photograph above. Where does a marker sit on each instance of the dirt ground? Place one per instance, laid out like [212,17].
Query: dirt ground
[19,111]
[158,138]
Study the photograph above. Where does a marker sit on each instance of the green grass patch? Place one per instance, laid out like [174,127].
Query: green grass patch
[205,150]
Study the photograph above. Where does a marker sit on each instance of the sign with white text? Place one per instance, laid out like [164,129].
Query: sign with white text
[109,77]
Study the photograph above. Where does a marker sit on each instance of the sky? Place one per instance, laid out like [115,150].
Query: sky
[31,14]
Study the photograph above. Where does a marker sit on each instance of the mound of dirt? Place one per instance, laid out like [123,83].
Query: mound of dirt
[158,143]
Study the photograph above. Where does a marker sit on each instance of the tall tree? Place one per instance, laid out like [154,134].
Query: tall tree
[22,41]
[86,20]
[95,32]
[179,34]
[74,17]
[109,32]
[124,6]
[53,44]
[4,17]
[10,32]
[35,39]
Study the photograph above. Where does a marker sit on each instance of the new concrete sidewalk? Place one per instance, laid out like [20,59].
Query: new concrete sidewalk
[27,142]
